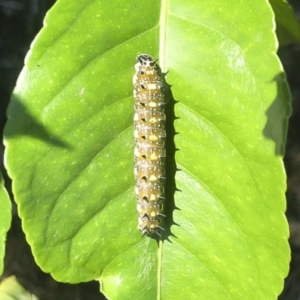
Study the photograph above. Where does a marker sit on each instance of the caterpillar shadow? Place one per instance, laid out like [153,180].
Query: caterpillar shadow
[171,168]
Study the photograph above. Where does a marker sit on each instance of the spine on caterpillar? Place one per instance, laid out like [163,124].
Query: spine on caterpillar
[150,150]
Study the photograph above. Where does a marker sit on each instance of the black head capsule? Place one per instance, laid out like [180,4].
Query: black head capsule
[146,60]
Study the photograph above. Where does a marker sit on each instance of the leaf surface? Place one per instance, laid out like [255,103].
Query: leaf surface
[70,128]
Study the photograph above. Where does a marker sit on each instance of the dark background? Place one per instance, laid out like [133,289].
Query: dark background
[20,21]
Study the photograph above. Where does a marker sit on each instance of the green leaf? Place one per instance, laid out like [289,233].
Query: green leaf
[287,25]
[5,219]
[70,147]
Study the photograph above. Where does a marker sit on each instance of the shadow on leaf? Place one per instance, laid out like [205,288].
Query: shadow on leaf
[25,124]
[277,116]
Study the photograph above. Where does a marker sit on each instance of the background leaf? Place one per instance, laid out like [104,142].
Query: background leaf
[5,219]
[10,289]
[69,149]
[287,25]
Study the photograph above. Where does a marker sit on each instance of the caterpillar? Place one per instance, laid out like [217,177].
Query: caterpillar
[150,149]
